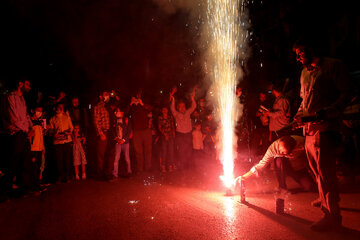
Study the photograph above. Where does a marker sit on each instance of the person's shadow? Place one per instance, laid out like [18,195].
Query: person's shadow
[301,226]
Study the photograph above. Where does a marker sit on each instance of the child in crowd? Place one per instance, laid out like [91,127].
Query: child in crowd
[37,148]
[198,143]
[79,156]
[166,128]
[209,130]
[123,134]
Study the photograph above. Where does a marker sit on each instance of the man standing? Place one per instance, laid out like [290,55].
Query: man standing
[142,136]
[183,137]
[60,126]
[18,124]
[261,125]
[78,115]
[166,128]
[325,93]
[102,126]
[280,113]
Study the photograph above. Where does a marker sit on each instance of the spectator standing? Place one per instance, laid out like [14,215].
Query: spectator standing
[37,147]
[198,144]
[123,134]
[325,91]
[279,114]
[261,125]
[18,125]
[202,109]
[183,137]
[142,134]
[60,126]
[79,156]
[166,127]
[78,115]
[102,127]
[209,130]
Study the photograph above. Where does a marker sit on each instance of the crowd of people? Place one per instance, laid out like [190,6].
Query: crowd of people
[52,141]
[177,135]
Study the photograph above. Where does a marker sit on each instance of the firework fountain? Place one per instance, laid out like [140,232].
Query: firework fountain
[222,34]
[225,42]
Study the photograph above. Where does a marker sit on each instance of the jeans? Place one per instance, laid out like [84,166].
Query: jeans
[63,160]
[118,149]
[167,152]
[105,157]
[284,169]
[183,149]
[322,152]
[143,148]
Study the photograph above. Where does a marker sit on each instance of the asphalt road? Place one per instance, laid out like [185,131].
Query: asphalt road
[180,205]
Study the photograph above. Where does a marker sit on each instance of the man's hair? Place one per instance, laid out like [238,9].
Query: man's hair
[313,42]
[58,104]
[181,102]
[197,124]
[277,87]
[289,142]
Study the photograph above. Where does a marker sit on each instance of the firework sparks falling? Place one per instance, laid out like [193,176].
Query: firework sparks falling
[224,33]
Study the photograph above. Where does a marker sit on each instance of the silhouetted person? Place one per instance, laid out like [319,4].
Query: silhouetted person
[60,127]
[142,135]
[102,123]
[18,125]
[325,93]
[279,114]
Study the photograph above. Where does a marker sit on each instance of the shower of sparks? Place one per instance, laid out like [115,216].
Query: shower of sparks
[224,27]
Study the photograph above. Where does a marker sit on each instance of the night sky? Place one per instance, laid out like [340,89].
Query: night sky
[82,46]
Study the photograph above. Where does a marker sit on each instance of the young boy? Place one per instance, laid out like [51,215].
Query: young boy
[198,143]
[123,134]
[79,156]
[37,148]
[209,129]
[166,128]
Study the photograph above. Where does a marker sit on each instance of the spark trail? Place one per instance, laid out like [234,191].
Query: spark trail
[224,33]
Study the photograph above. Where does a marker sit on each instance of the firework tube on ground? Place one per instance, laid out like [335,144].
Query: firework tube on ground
[242,190]
[280,206]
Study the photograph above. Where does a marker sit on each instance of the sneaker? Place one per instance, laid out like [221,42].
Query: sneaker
[45,184]
[327,224]
[110,180]
[83,177]
[77,177]
[32,193]
[316,203]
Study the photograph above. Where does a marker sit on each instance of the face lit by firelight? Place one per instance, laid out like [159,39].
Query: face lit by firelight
[164,111]
[182,107]
[282,149]
[302,56]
